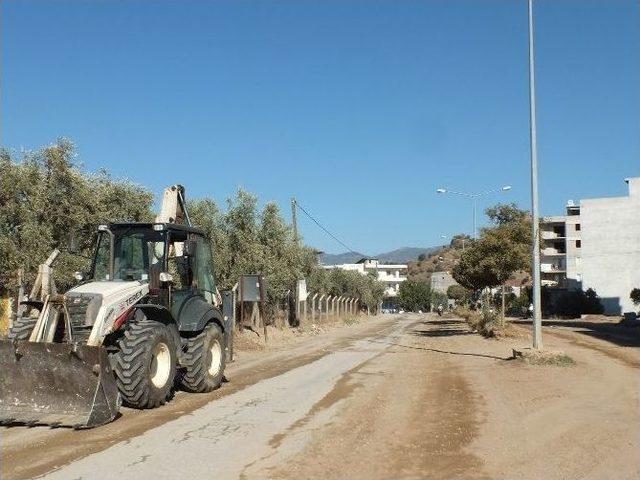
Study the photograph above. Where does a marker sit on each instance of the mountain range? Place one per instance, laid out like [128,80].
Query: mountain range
[400,255]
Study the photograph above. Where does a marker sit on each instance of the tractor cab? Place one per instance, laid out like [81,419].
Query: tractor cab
[175,260]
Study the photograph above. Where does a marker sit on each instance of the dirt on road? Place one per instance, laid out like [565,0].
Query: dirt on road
[400,396]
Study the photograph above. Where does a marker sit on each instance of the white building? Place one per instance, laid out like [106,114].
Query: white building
[392,275]
[595,245]
[611,247]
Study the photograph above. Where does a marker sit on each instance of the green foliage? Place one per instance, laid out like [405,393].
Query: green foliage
[507,214]
[590,303]
[635,296]
[572,304]
[439,298]
[500,251]
[458,293]
[414,296]
[460,242]
[246,240]
[335,281]
[45,199]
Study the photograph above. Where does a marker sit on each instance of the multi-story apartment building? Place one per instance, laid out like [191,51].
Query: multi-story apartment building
[392,275]
[560,249]
[595,245]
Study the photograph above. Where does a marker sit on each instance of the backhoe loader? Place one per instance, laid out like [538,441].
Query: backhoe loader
[146,318]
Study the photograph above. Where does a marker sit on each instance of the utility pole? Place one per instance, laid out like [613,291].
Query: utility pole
[294,219]
[535,224]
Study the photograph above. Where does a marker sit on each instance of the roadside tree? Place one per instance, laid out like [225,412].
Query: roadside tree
[414,296]
[501,250]
[458,293]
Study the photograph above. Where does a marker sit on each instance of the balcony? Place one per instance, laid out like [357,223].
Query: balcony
[549,235]
[391,278]
[547,268]
[552,252]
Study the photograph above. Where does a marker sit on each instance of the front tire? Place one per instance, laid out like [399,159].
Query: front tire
[145,364]
[204,361]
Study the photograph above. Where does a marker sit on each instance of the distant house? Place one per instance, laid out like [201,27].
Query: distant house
[441,281]
[392,275]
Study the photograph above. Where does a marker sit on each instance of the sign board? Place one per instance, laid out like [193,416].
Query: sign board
[302,290]
[250,288]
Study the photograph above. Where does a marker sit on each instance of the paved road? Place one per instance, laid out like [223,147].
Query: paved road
[223,438]
[399,397]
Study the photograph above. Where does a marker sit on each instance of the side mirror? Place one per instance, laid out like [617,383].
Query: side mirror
[189,248]
[73,246]
[166,277]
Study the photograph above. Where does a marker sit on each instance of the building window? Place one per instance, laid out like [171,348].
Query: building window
[578,243]
[577,227]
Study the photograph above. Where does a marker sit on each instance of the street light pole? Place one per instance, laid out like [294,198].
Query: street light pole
[535,231]
[474,197]
[475,217]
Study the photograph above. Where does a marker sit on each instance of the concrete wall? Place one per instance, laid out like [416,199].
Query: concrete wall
[573,261]
[441,281]
[610,230]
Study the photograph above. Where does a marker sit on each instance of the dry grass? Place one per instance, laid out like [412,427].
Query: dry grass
[5,311]
[351,320]
[249,340]
[544,357]
[490,325]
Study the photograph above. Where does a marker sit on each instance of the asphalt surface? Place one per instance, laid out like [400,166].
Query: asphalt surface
[220,439]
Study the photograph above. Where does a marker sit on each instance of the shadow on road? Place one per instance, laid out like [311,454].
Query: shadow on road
[441,332]
[446,328]
[443,322]
[609,331]
[442,328]
[448,352]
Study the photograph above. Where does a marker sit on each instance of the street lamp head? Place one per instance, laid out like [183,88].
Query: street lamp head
[441,190]
[506,187]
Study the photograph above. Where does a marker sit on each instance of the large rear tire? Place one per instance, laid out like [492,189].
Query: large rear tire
[21,328]
[145,364]
[204,361]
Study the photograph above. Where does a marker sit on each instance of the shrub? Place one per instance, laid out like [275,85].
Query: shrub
[414,296]
[635,296]
[590,303]
[571,304]
[472,317]
[458,293]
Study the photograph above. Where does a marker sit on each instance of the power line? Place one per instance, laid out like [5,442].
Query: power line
[297,204]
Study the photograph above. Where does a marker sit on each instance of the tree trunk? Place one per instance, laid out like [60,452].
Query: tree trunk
[503,304]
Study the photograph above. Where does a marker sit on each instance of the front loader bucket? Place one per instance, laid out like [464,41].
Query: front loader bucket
[56,384]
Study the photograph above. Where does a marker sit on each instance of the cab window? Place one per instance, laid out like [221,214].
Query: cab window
[204,266]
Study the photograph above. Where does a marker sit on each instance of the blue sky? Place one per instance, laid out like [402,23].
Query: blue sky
[360,109]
